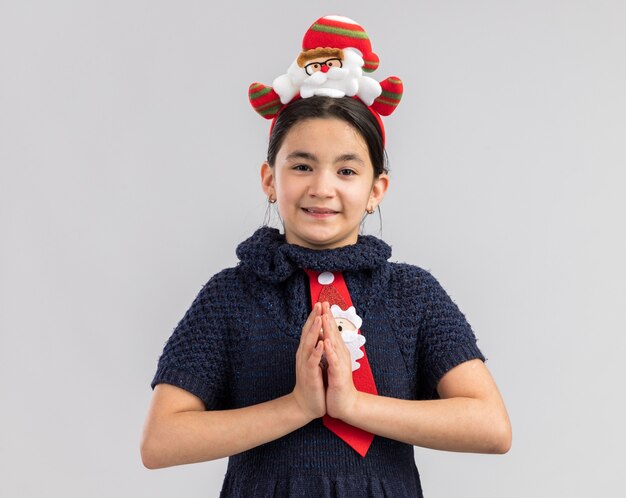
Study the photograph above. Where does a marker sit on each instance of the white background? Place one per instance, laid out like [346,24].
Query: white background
[129,160]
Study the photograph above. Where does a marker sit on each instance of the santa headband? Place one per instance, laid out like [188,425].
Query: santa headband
[336,51]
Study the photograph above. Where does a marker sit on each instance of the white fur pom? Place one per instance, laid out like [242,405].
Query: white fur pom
[347,20]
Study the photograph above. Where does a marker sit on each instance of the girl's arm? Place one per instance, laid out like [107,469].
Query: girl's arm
[178,430]
[470,417]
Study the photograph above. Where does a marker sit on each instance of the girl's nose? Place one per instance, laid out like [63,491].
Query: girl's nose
[321,185]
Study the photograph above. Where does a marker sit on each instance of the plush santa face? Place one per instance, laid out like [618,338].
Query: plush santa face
[327,71]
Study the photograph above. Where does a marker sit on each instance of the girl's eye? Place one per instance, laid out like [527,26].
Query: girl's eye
[347,172]
[301,167]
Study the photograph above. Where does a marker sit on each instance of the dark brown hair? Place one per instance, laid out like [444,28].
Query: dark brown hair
[348,109]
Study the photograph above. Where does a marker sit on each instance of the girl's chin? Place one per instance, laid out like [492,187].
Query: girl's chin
[321,241]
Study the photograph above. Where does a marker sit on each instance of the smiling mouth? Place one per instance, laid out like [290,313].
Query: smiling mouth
[319,212]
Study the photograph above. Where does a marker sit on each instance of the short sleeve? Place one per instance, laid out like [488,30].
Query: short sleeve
[445,337]
[195,357]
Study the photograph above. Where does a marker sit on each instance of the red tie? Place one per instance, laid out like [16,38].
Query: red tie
[331,287]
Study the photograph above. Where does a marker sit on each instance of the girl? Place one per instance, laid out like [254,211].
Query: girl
[316,364]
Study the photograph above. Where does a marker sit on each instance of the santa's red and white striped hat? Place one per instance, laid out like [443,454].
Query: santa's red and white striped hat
[341,32]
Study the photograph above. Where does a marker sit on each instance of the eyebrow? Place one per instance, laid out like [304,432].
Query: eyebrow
[299,154]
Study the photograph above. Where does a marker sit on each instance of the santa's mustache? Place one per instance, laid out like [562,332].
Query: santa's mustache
[334,73]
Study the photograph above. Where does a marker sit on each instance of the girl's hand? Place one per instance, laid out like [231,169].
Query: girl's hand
[341,395]
[309,390]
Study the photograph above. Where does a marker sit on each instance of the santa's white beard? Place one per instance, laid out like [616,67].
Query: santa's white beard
[337,82]
[334,73]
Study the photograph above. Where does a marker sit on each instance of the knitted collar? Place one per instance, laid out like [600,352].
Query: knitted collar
[267,254]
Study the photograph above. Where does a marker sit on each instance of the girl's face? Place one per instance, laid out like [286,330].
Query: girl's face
[323,182]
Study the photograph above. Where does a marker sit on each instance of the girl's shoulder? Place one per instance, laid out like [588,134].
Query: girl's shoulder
[407,275]
[220,284]
[413,286]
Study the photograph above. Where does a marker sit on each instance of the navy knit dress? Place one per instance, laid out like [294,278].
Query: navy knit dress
[236,347]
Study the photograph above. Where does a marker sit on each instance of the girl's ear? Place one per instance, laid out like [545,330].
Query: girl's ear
[267,180]
[380,186]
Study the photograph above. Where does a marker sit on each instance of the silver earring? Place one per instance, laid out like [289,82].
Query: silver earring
[271,200]
[370,211]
